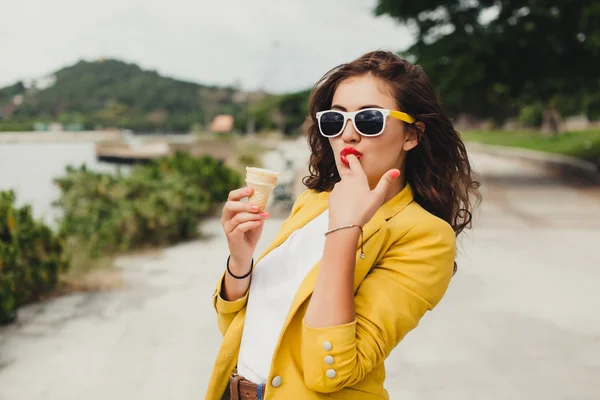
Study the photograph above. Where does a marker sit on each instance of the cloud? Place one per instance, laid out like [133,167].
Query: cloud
[280,46]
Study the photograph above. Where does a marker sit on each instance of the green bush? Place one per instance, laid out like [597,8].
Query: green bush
[249,159]
[31,257]
[592,107]
[10,125]
[205,172]
[155,204]
[532,115]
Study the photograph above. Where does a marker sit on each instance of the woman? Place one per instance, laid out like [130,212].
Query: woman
[368,248]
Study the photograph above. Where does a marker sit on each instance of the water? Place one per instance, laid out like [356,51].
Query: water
[30,168]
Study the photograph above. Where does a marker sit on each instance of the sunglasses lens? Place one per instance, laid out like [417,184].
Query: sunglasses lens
[331,123]
[369,122]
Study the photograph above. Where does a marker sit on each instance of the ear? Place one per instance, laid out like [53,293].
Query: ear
[413,134]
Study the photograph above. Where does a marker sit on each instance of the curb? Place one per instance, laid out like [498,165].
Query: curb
[563,165]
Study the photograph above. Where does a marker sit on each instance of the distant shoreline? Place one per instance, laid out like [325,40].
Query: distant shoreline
[53,137]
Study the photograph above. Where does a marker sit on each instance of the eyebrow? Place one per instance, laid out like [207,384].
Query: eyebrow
[336,106]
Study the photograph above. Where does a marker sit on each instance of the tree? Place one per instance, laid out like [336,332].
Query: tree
[8,93]
[490,57]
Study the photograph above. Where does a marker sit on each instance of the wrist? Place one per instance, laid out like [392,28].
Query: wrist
[333,224]
[347,232]
[240,266]
[350,232]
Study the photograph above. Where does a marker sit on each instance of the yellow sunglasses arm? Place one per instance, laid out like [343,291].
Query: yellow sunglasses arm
[402,116]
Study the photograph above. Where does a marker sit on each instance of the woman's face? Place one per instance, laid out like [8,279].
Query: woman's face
[381,153]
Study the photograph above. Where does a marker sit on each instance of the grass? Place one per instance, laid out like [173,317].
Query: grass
[584,145]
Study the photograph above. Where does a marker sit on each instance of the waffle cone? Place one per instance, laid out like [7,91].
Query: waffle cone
[263,182]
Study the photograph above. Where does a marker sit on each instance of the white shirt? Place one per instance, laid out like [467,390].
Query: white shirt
[275,281]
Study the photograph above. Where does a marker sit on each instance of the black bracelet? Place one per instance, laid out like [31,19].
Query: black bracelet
[243,276]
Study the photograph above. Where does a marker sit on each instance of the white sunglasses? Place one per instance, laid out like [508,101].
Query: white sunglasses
[367,122]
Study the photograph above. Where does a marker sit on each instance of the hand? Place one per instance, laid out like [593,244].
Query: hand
[352,201]
[243,226]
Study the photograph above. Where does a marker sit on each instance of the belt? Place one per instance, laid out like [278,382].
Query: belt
[242,389]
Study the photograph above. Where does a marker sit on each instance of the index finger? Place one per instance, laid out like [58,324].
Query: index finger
[238,194]
[354,164]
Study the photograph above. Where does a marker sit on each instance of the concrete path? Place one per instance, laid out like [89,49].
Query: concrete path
[521,319]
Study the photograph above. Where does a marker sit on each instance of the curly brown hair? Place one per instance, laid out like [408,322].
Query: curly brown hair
[437,169]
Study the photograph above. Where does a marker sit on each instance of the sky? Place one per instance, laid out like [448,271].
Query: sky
[279,46]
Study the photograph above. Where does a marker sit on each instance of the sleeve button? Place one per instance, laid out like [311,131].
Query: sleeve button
[327,346]
[329,360]
[277,381]
[331,373]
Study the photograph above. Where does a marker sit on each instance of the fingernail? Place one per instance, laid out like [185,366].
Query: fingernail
[254,208]
[265,214]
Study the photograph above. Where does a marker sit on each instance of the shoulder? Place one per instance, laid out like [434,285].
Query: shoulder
[306,197]
[415,224]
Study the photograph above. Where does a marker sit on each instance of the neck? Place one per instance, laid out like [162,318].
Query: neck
[395,188]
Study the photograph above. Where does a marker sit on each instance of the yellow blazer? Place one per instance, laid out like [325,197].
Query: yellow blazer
[408,264]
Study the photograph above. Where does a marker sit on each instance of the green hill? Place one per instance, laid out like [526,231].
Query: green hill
[112,93]
[115,93]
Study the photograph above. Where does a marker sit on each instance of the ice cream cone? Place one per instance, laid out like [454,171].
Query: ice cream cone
[263,181]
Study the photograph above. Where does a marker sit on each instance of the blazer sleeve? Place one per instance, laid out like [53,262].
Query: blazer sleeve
[227,310]
[410,279]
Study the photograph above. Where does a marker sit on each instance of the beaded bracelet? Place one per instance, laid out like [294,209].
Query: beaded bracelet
[362,253]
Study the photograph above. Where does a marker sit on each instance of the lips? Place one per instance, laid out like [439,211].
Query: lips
[349,150]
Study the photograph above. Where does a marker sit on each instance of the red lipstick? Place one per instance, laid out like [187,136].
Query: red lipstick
[349,150]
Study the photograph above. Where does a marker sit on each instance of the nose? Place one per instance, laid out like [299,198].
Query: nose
[349,134]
